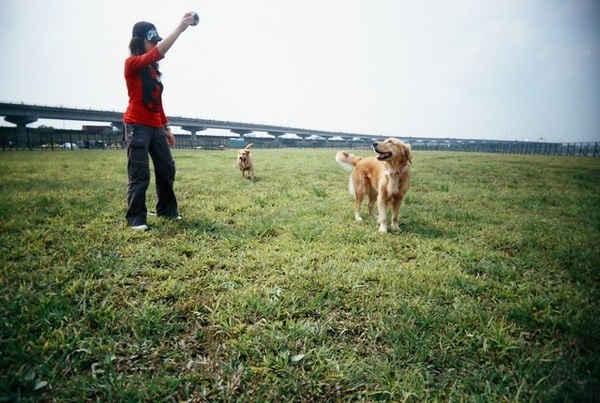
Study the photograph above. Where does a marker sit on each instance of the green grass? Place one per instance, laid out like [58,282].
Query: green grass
[270,291]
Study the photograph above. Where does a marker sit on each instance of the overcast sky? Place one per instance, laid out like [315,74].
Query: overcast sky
[502,69]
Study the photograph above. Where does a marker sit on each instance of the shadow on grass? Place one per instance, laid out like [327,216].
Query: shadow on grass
[246,179]
[197,225]
[266,228]
[206,226]
[423,230]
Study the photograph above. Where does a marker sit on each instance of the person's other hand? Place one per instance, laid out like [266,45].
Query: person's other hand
[170,138]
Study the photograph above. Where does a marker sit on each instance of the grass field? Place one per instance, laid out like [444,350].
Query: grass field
[269,291]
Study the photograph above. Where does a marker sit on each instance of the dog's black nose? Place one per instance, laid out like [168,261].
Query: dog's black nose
[374,145]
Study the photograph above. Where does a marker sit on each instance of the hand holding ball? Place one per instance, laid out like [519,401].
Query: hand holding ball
[196,19]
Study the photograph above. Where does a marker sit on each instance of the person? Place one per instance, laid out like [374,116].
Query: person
[145,126]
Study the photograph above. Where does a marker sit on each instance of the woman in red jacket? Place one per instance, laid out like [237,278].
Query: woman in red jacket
[146,129]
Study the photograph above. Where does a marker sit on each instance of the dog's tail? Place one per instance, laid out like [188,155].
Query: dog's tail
[249,146]
[347,160]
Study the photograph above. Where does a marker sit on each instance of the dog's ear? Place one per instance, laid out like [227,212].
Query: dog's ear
[408,152]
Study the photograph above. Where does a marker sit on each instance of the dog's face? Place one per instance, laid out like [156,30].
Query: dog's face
[393,151]
[243,156]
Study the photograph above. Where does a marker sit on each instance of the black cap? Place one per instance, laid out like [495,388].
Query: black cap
[146,30]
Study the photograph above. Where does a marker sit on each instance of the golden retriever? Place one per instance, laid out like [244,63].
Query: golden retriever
[384,178]
[245,161]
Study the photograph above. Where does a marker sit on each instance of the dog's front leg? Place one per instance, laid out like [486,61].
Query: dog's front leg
[396,203]
[382,215]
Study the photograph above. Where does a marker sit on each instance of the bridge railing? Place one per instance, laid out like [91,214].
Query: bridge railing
[51,139]
[581,149]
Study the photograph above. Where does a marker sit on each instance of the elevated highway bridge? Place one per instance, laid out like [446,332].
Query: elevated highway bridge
[23,114]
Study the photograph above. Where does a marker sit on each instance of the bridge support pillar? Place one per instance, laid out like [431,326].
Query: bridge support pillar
[21,122]
[193,130]
[241,132]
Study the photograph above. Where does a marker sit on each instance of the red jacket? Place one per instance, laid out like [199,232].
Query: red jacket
[136,111]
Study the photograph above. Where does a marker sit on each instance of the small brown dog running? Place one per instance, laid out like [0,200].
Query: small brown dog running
[384,178]
[245,161]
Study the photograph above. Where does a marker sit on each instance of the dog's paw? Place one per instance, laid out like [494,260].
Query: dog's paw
[382,228]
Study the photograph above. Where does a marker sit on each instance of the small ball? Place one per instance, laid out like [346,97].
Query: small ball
[196,19]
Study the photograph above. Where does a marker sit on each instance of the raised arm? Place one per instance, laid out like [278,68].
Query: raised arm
[164,45]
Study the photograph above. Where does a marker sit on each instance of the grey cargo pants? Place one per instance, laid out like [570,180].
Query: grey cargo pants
[142,141]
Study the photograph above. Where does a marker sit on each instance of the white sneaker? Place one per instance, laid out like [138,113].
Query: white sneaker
[142,227]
